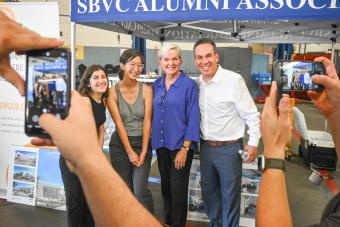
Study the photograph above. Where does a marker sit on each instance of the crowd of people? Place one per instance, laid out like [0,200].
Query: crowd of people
[177,114]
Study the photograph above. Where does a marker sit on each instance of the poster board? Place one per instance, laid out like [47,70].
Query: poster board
[34,178]
[11,103]
[22,175]
[249,193]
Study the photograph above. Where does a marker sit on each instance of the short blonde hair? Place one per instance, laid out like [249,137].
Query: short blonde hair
[167,47]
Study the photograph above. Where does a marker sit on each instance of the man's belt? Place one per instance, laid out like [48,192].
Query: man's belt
[219,143]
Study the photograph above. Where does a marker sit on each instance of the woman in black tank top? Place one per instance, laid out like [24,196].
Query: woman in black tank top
[94,84]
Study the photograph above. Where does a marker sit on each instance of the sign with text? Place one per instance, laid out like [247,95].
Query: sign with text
[42,18]
[165,10]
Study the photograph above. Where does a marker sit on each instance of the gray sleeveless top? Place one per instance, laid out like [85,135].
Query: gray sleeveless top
[132,114]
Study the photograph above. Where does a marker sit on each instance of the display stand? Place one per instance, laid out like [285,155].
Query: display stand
[249,193]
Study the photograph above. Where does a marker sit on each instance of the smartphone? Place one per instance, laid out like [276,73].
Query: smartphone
[48,86]
[296,75]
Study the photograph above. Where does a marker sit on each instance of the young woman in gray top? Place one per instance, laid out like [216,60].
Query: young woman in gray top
[130,105]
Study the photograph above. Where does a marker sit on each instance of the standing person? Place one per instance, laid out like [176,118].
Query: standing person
[301,80]
[119,208]
[225,106]
[306,80]
[273,207]
[60,88]
[130,105]
[175,132]
[94,85]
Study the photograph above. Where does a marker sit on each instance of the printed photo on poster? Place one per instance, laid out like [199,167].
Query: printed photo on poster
[196,210]
[25,158]
[248,205]
[250,181]
[22,175]
[24,190]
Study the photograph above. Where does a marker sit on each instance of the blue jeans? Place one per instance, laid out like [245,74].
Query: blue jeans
[221,172]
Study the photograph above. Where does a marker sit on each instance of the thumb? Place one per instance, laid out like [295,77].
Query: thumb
[323,80]
[50,123]
[284,108]
[284,119]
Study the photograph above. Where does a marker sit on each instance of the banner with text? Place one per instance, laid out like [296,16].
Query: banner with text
[42,18]
[176,10]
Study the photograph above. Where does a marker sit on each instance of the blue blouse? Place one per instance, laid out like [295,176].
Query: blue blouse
[176,115]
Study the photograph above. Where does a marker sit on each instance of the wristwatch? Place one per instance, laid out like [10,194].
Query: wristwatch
[270,163]
[185,148]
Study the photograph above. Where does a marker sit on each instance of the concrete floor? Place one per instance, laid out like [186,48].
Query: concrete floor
[306,200]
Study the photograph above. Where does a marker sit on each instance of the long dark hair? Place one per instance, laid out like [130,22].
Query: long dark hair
[84,88]
[127,56]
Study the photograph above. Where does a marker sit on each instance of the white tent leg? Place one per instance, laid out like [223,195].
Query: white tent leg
[333,52]
[73,55]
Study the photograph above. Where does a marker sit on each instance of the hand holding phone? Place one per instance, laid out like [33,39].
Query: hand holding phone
[296,75]
[48,87]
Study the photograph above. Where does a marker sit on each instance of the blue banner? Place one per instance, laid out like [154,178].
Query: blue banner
[176,10]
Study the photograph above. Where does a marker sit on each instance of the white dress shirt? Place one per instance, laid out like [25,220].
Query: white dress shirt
[226,106]
[60,85]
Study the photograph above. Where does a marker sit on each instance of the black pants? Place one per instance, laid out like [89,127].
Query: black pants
[174,184]
[78,212]
[135,177]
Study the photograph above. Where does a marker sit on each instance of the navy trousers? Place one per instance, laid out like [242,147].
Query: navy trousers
[221,172]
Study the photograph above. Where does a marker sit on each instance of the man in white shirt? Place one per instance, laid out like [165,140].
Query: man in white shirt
[225,107]
[60,87]
[306,79]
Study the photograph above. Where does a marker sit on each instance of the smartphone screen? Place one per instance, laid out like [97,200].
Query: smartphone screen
[296,75]
[47,87]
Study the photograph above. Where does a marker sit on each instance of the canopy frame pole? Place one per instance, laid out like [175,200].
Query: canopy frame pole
[73,55]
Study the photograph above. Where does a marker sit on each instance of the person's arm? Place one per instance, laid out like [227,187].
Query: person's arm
[192,133]
[113,108]
[14,37]
[110,200]
[148,97]
[248,112]
[101,132]
[272,205]
[328,101]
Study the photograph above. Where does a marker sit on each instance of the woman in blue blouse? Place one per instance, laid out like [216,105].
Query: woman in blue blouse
[175,132]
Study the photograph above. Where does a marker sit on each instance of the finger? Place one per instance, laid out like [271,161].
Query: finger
[284,120]
[177,165]
[42,142]
[314,94]
[51,124]
[33,41]
[329,65]
[271,100]
[78,102]
[14,78]
[325,81]
[249,159]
